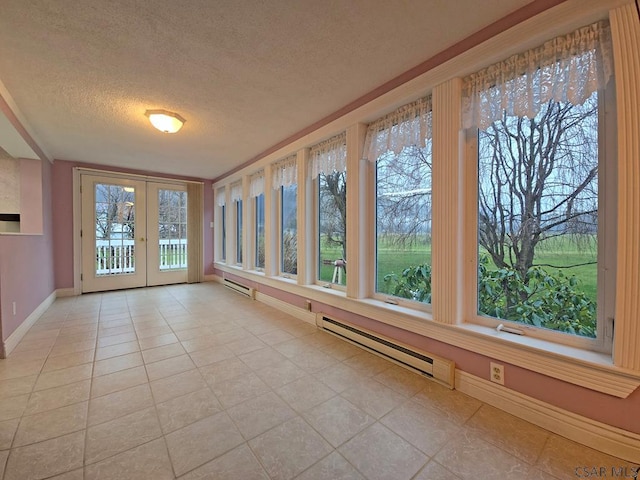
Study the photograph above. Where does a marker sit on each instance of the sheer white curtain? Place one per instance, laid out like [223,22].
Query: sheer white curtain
[236,192]
[329,156]
[221,199]
[568,68]
[408,125]
[256,184]
[285,172]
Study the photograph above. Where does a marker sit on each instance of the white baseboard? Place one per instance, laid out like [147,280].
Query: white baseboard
[605,438]
[66,292]
[12,341]
[297,312]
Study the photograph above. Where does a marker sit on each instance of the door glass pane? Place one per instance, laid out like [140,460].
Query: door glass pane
[115,229]
[172,229]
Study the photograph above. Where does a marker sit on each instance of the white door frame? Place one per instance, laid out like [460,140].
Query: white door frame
[77,213]
[136,278]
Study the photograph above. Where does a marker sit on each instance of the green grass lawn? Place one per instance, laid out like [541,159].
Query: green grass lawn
[561,253]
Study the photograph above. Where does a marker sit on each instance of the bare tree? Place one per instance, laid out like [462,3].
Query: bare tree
[537,181]
[172,214]
[333,209]
[404,195]
[114,212]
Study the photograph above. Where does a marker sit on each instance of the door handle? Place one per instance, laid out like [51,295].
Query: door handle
[142,239]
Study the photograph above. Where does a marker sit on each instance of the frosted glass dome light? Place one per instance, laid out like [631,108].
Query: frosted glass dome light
[165,121]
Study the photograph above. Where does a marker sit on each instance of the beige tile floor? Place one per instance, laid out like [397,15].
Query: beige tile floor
[196,382]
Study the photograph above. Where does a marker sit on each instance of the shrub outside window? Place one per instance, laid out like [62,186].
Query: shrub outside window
[400,145]
[540,158]
[289,230]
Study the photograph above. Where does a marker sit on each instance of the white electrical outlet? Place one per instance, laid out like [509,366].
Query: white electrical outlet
[14,308]
[497,373]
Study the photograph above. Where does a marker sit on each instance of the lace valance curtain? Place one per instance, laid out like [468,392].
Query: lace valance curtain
[256,184]
[408,125]
[285,172]
[329,156]
[221,197]
[568,68]
[236,192]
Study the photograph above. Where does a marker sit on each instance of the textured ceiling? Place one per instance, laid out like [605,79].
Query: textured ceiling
[245,74]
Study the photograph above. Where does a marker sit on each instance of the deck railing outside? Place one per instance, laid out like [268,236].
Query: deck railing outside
[118,256]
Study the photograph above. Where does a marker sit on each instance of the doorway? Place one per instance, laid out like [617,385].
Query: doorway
[133,234]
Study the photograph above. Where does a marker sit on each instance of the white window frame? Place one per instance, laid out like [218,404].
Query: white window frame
[316,256]
[221,224]
[255,230]
[281,272]
[238,223]
[606,267]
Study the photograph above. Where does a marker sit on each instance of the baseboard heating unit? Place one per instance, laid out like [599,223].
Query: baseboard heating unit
[432,366]
[240,288]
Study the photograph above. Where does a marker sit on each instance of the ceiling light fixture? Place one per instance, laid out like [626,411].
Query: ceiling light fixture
[165,121]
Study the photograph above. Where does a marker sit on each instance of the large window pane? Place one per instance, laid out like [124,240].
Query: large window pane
[239,231]
[259,229]
[332,227]
[289,230]
[403,224]
[538,218]
[223,232]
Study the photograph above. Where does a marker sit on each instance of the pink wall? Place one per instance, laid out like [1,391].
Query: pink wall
[619,412]
[31,214]
[63,218]
[26,267]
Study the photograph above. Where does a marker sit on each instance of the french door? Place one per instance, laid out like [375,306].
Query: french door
[134,233]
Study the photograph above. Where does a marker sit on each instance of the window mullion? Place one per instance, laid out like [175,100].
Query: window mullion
[271,236]
[247,226]
[448,208]
[625,32]
[306,269]
[360,202]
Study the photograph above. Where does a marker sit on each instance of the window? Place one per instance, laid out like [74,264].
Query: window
[400,145]
[222,225]
[256,191]
[236,199]
[289,230]
[259,231]
[285,178]
[239,232]
[541,248]
[223,216]
[328,165]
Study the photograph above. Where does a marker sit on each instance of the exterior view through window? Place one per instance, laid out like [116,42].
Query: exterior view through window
[239,231]
[538,218]
[289,230]
[259,230]
[403,223]
[223,232]
[115,229]
[172,229]
[332,227]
